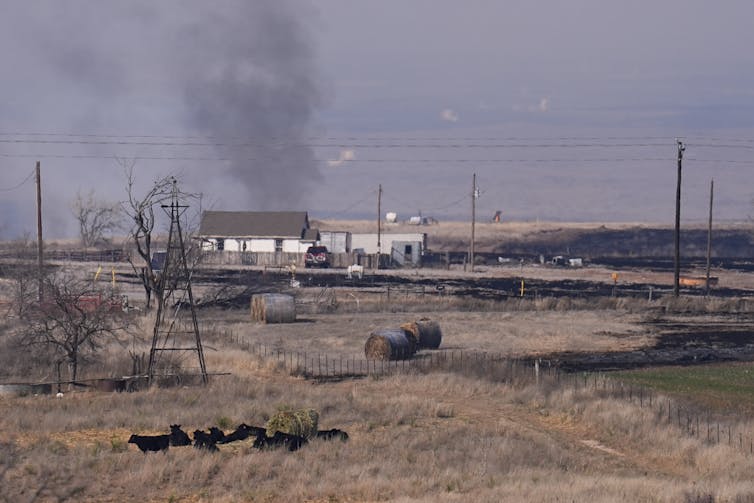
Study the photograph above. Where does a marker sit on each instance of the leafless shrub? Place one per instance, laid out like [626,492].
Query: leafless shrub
[73,321]
[96,218]
[21,273]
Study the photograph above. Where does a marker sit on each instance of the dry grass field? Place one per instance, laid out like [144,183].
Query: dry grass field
[513,334]
[456,435]
[416,437]
[420,436]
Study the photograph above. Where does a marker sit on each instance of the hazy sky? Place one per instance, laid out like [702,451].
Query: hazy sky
[565,110]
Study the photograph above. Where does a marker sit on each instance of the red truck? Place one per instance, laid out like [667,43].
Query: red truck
[317,256]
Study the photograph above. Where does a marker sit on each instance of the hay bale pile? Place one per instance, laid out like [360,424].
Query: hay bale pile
[426,333]
[273,308]
[389,344]
[301,422]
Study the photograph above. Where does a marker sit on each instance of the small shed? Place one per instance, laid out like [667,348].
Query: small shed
[336,241]
[407,253]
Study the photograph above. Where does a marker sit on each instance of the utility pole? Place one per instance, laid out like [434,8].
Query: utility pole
[709,234]
[677,261]
[40,249]
[474,195]
[379,225]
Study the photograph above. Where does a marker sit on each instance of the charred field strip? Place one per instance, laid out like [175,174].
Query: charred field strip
[242,284]
[729,339]
[724,337]
[486,288]
[666,264]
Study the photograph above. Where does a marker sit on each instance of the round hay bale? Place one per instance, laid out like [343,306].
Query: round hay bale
[412,332]
[273,308]
[389,344]
[425,333]
[301,422]
[430,335]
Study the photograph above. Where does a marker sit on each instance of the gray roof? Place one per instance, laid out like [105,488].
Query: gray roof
[311,235]
[250,224]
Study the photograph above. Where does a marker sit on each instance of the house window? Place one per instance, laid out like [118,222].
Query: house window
[278,245]
[220,244]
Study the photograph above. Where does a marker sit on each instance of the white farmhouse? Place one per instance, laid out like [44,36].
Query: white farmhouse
[257,231]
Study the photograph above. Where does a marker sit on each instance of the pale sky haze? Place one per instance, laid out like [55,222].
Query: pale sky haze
[565,110]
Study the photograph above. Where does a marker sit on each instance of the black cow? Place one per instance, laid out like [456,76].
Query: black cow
[203,440]
[243,432]
[331,434]
[293,442]
[150,442]
[178,437]
[217,434]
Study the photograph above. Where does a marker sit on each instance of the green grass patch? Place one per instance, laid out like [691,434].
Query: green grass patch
[725,387]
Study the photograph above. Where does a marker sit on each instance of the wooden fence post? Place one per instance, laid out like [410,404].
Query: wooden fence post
[697,426]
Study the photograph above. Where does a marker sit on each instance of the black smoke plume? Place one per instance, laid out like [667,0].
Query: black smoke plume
[252,86]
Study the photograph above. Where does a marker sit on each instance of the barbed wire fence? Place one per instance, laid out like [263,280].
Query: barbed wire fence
[693,421]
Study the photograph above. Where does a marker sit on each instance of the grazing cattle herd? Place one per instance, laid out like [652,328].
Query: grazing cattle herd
[208,440]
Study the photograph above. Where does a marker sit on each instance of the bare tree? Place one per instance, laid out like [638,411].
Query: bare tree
[18,266]
[95,217]
[74,322]
[143,219]
[143,212]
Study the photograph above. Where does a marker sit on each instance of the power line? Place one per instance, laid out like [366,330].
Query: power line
[25,180]
[447,143]
[457,202]
[351,206]
[519,160]
[342,145]
[344,161]
[351,137]
[403,202]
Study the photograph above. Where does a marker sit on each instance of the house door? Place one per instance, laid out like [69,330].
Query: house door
[279,252]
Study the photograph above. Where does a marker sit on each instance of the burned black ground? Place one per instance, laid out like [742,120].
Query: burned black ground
[728,338]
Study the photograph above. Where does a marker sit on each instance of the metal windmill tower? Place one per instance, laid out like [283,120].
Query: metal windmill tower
[175,282]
